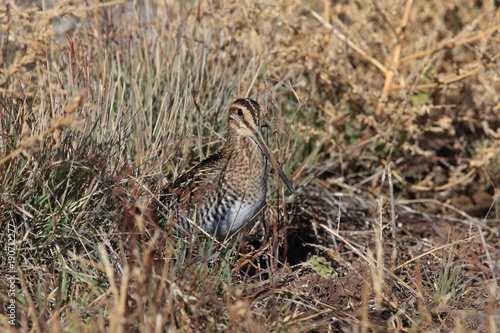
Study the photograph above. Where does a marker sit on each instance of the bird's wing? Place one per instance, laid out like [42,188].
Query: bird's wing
[194,182]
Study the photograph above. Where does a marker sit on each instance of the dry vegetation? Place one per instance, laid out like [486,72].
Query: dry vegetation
[385,115]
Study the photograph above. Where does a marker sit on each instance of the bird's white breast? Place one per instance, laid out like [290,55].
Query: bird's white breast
[238,215]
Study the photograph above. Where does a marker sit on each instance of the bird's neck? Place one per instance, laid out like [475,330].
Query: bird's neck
[241,147]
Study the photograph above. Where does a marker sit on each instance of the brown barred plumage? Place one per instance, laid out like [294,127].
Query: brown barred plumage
[228,189]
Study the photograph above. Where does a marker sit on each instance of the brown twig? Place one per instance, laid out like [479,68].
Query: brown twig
[389,74]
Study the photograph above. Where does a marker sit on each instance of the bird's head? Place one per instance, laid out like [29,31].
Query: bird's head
[244,120]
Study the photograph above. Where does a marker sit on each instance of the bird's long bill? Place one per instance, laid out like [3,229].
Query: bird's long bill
[262,144]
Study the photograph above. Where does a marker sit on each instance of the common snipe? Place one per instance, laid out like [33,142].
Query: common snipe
[228,189]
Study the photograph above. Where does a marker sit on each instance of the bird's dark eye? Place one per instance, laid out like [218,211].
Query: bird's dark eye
[240,112]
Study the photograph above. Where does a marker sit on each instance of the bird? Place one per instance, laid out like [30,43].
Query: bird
[227,190]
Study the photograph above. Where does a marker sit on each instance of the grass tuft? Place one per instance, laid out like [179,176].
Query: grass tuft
[385,116]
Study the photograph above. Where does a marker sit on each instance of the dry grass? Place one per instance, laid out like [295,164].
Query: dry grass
[394,155]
